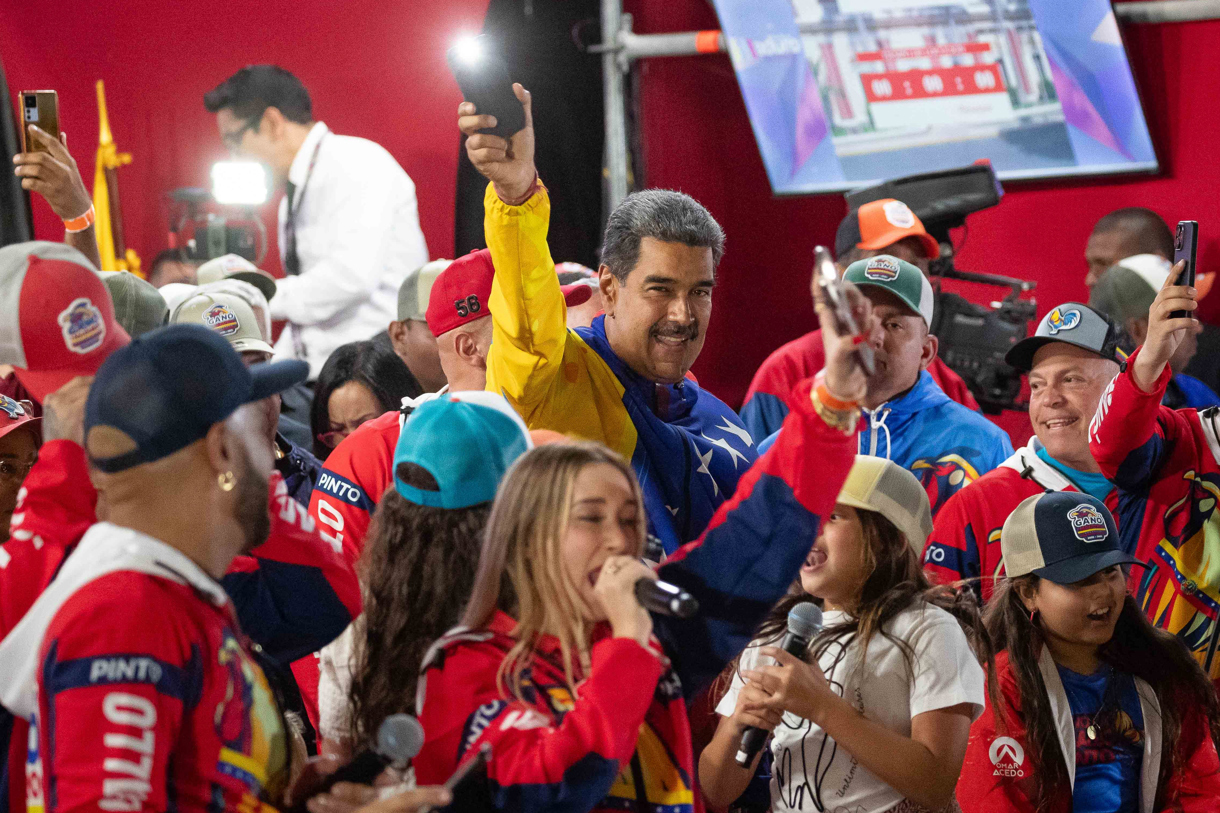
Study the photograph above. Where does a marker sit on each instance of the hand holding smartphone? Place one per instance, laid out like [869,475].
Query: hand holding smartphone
[483,78]
[1186,247]
[826,277]
[40,108]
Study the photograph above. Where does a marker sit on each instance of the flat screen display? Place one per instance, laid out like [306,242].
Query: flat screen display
[844,93]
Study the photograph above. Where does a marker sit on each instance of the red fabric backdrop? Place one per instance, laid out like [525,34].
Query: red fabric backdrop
[376,69]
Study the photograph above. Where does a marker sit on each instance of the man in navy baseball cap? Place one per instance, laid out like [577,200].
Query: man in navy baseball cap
[177,441]
[167,390]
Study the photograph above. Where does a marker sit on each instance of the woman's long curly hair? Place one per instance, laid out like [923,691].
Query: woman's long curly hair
[1137,647]
[418,568]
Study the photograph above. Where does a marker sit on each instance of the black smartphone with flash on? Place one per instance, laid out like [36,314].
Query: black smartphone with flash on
[1186,247]
[483,78]
[40,108]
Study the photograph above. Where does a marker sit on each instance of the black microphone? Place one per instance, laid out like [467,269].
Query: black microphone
[804,621]
[399,738]
[662,597]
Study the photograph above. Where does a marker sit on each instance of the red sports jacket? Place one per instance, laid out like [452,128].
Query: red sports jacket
[998,774]
[623,743]
[148,696]
[965,540]
[1164,462]
[353,479]
[290,594]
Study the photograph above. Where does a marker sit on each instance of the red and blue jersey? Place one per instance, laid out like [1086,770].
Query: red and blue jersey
[353,479]
[623,742]
[1165,464]
[965,539]
[293,594]
[765,405]
[148,698]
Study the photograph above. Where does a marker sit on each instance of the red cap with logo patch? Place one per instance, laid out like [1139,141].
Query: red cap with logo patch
[56,317]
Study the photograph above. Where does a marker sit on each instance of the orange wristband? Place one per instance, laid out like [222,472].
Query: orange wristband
[828,400]
[80,223]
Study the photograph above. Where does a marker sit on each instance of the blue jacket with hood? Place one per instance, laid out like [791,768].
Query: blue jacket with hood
[944,444]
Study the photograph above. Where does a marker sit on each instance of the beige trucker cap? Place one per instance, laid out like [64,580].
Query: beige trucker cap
[234,266]
[877,484]
[226,313]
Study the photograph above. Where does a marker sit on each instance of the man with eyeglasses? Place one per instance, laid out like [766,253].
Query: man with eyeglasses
[349,222]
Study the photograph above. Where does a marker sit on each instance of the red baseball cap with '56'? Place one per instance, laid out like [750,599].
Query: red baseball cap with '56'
[56,317]
[461,292]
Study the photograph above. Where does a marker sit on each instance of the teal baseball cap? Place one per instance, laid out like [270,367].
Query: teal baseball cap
[465,442]
[899,277]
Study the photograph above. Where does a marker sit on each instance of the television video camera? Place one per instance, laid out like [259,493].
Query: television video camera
[973,338]
[200,235]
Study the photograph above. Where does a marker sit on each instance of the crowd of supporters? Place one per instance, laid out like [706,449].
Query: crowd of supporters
[445,490]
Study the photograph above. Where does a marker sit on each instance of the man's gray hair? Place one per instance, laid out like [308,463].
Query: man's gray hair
[662,214]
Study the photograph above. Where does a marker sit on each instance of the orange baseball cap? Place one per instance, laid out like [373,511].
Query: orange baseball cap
[881,223]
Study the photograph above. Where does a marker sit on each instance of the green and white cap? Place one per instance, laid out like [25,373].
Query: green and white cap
[899,277]
[877,484]
[416,288]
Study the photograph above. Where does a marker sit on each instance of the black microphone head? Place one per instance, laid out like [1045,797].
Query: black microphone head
[399,738]
[804,620]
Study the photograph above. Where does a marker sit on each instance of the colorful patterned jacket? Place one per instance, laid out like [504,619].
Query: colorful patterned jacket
[1164,462]
[965,540]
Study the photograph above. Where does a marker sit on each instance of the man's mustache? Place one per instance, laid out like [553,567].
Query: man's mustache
[673,331]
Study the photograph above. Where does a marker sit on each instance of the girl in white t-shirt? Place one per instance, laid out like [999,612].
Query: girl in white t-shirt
[881,722]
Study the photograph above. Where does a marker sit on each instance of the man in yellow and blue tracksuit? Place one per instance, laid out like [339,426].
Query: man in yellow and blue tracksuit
[623,381]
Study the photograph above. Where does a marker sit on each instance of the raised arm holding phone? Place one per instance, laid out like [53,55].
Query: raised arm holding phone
[1169,319]
[622,381]
[624,739]
[52,172]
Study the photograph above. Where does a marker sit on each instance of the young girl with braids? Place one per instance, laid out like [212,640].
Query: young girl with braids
[1094,709]
[878,718]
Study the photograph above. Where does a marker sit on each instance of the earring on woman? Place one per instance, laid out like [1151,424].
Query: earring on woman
[226,480]
[1032,614]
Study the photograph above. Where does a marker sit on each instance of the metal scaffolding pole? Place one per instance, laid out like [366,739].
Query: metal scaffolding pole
[615,102]
[620,47]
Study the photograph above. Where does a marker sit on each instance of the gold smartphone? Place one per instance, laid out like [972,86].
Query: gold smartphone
[41,108]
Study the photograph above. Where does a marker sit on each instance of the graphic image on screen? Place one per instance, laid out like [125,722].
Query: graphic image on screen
[844,93]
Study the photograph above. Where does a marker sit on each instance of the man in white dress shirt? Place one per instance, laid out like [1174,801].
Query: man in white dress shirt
[349,225]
